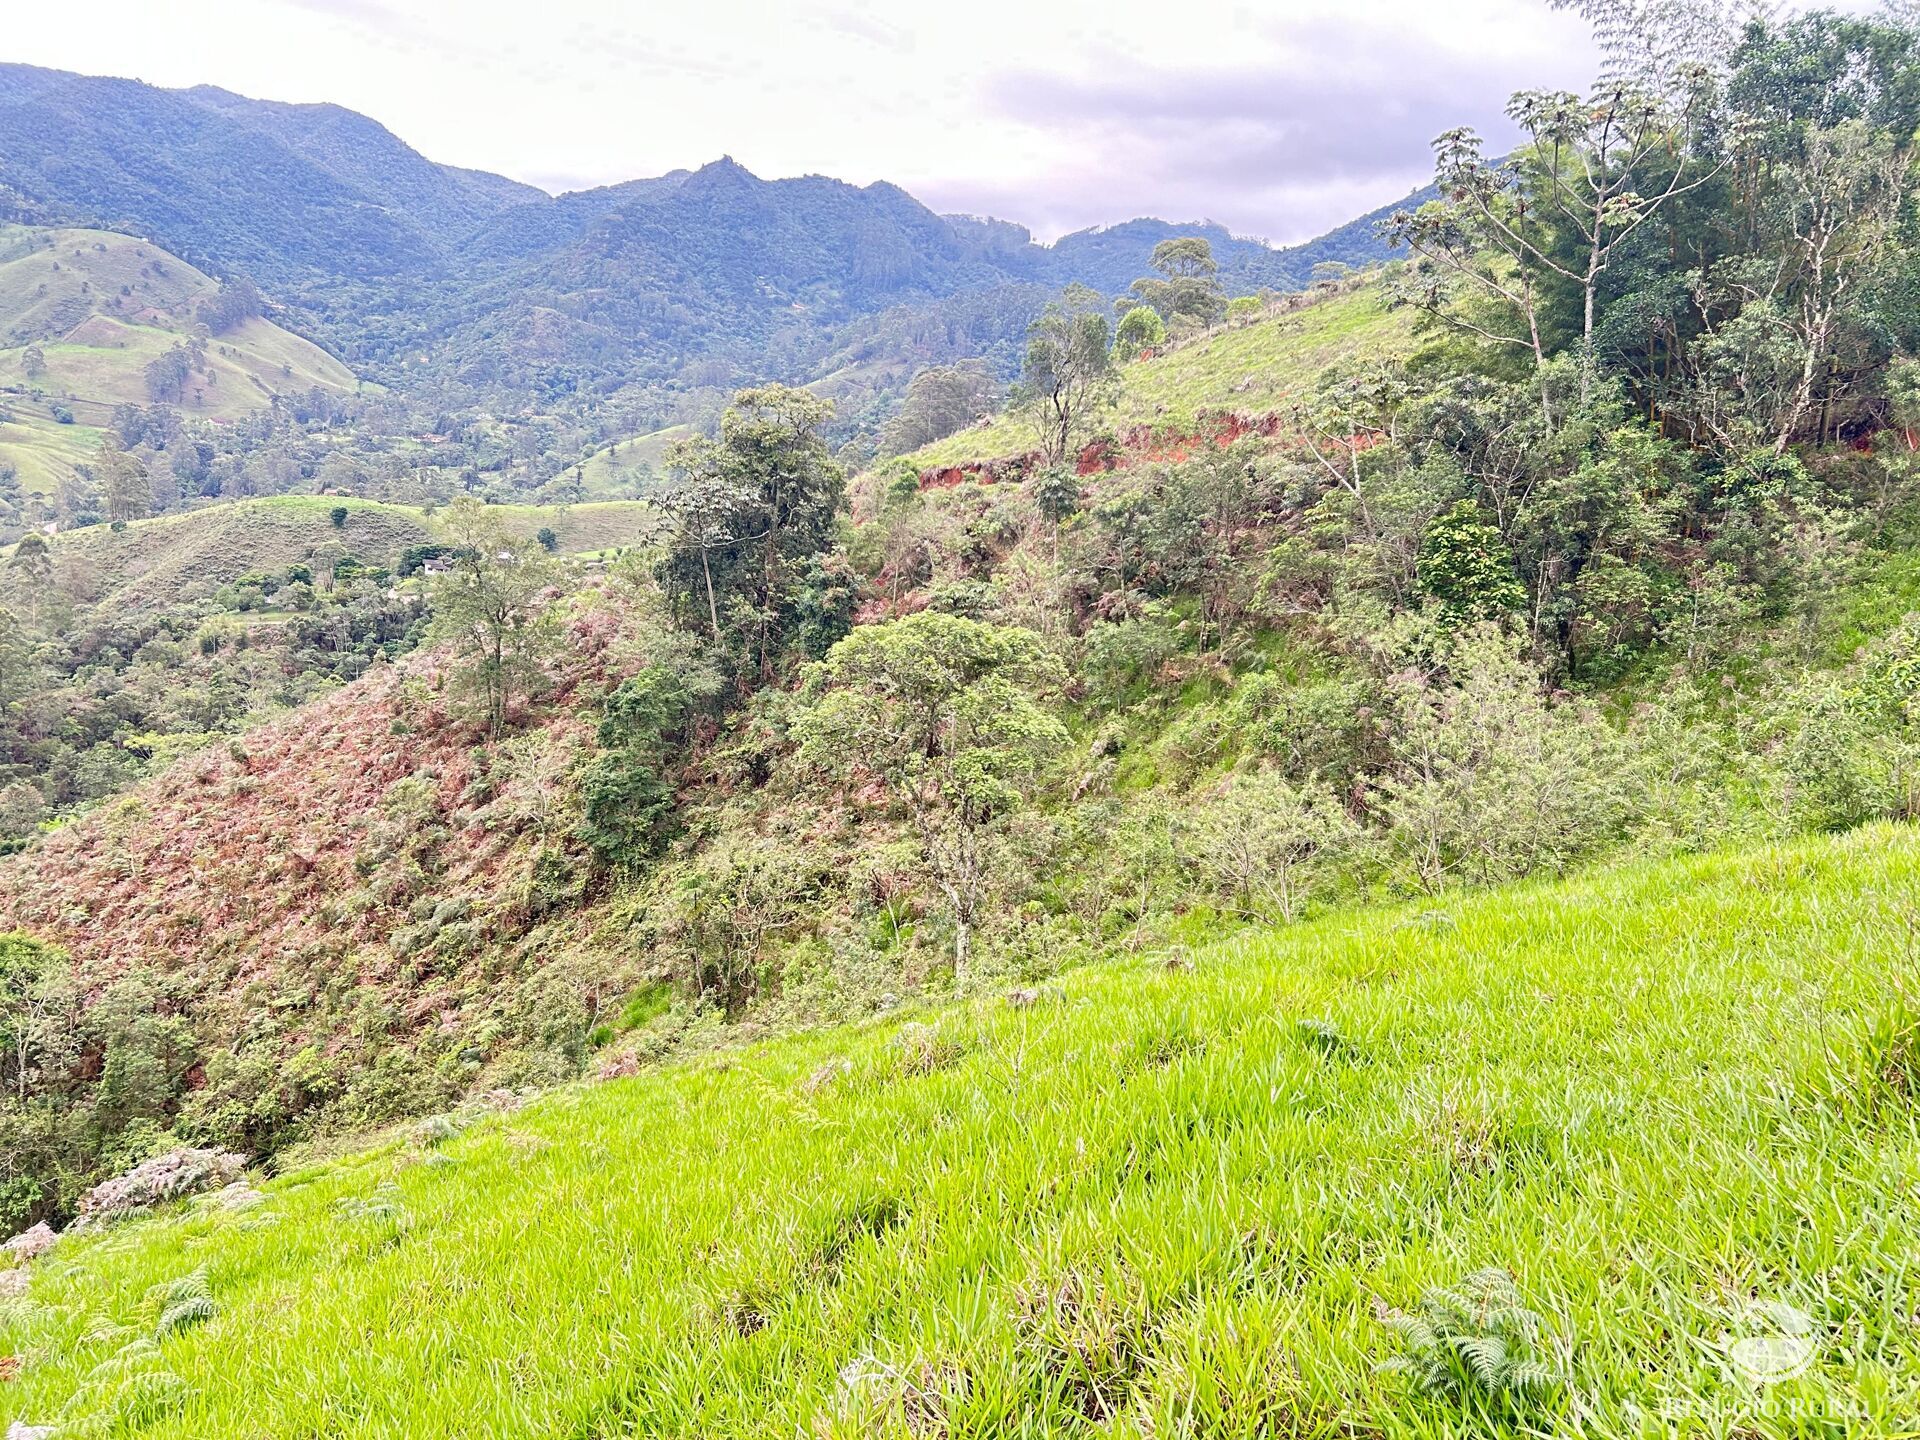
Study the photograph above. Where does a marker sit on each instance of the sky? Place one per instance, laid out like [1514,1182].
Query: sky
[1278,120]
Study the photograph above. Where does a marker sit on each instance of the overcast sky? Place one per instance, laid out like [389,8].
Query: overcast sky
[1279,119]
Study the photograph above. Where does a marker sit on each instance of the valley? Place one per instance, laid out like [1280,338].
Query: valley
[726,806]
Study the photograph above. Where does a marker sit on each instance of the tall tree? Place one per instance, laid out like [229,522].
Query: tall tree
[1502,236]
[1186,292]
[750,510]
[123,482]
[1067,377]
[30,572]
[492,606]
[940,400]
[943,711]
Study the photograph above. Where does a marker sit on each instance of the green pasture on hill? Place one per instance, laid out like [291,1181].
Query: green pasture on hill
[1672,1101]
[1251,367]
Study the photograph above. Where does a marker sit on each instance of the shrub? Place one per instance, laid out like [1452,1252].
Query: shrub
[1489,779]
[1318,728]
[1267,848]
[1141,329]
[628,814]
[1465,565]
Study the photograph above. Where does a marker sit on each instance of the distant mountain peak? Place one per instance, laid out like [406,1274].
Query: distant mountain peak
[631,282]
[725,168]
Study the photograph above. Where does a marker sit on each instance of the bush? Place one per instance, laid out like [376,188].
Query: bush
[1465,565]
[628,814]
[1267,849]
[1141,329]
[1489,780]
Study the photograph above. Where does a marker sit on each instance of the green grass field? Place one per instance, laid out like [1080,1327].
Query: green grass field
[246,367]
[84,312]
[1160,1201]
[151,563]
[614,469]
[42,451]
[592,527]
[1250,368]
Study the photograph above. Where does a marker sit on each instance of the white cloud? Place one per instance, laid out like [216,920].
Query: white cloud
[1279,119]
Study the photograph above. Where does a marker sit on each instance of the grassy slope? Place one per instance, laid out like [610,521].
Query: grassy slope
[101,306]
[1156,1181]
[42,451]
[1249,368]
[150,561]
[604,472]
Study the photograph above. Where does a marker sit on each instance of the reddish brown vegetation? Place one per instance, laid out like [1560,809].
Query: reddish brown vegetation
[274,847]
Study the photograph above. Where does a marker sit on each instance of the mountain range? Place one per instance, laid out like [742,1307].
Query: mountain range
[405,267]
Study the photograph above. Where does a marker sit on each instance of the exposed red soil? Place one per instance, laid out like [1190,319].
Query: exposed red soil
[1138,444]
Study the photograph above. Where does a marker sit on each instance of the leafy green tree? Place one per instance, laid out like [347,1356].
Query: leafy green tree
[237,302]
[702,509]
[166,375]
[123,482]
[1504,236]
[1056,493]
[939,401]
[546,539]
[944,712]
[1187,292]
[1769,345]
[30,571]
[749,511]
[492,606]
[1465,566]
[627,795]
[718,918]
[1067,377]
[1141,329]
[19,670]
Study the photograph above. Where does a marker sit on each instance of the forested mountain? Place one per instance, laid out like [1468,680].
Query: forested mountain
[406,267]
[215,184]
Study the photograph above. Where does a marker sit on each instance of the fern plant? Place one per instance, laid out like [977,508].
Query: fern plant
[380,1220]
[1476,1337]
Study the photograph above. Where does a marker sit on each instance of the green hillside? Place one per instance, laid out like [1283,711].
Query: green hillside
[1250,367]
[151,563]
[616,468]
[1361,883]
[83,313]
[1159,1200]
[41,450]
